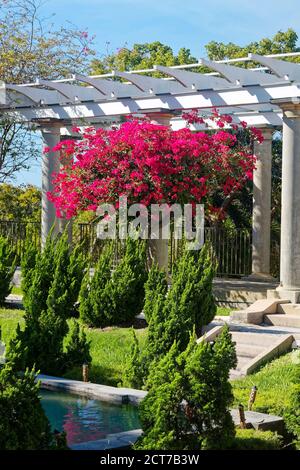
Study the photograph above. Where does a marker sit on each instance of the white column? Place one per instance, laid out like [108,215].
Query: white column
[290,211]
[160,248]
[261,218]
[50,165]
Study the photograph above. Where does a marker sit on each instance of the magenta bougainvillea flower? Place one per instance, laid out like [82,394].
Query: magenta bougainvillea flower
[151,163]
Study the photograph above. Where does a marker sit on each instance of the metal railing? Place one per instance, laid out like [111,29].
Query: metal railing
[233,249]
[16,232]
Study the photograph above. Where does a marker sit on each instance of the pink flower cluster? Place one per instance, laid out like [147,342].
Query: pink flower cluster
[150,163]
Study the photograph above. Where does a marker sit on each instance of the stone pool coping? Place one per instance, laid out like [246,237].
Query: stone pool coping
[91,390]
[112,441]
[259,421]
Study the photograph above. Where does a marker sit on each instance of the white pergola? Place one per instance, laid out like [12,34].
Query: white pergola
[267,96]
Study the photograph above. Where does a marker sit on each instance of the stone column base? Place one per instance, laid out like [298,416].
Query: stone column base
[293,295]
[259,277]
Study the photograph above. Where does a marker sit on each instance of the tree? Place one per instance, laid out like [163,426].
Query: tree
[28,262]
[30,48]
[282,41]
[133,374]
[23,423]
[20,203]
[187,406]
[156,284]
[77,347]
[7,269]
[49,302]
[141,56]
[150,163]
[115,296]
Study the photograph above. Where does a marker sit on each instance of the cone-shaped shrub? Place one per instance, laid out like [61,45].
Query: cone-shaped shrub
[28,262]
[7,269]
[24,425]
[188,305]
[94,307]
[187,406]
[77,348]
[133,375]
[116,296]
[49,303]
[156,284]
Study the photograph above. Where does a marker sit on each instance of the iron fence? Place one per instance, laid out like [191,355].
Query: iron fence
[16,232]
[233,249]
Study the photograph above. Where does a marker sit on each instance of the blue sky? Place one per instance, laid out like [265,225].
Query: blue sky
[188,23]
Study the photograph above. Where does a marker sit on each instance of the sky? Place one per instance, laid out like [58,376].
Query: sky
[178,23]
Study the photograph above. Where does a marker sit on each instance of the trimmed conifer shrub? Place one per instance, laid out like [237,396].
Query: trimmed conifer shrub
[93,301]
[115,296]
[28,263]
[23,423]
[77,347]
[188,305]
[49,303]
[7,269]
[187,406]
[133,375]
[156,284]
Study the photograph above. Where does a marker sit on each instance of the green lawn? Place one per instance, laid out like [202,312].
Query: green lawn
[277,384]
[9,318]
[224,311]
[109,350]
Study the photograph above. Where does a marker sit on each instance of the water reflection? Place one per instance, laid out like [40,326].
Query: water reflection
[85,419]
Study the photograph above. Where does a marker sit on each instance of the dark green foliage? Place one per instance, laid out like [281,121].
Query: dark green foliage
[187,406]
[77,348]
[188,305]
[49,303]
[92,297]
[161,415]
[116,296]
[208,391]
[35,301]
[28,262]
[156,284]
[133,375]
[7,269]
[23,423]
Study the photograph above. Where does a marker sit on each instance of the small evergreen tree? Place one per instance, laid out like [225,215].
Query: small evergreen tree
[115,296]
[28,263]
[35,301]
[23,423]
[187,406]
[208,392]
[162,419]
[189,304]
[7,269]
[77,348]
[156,284]
[94,306]
[133,374]
[48,305]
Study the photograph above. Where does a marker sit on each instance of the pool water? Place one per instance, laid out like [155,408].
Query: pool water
[84,419]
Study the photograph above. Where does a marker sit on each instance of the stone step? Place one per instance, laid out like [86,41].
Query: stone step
[254,313]
[292,321]
[242,362]
[289,309]
[257,339]
[248,350]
